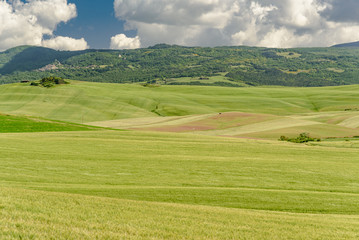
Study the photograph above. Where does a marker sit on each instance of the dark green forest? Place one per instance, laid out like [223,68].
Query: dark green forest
[167,64]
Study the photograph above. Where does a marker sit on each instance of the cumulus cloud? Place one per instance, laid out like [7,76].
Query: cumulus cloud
[65,43]
[342,11]
[26,23]
[271,23]
[121,41]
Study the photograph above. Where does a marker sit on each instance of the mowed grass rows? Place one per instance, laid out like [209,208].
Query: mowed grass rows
[28,214]
[186,169]
[100,159]
[180,185]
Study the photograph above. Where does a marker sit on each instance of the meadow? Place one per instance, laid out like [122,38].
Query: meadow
[266,112]
[147,183]
[9,123]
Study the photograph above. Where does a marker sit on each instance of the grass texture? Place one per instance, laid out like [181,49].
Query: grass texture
[20,124]
[42,215]
[200,175]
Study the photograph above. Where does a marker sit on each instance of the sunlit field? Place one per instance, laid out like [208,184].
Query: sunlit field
[189,162]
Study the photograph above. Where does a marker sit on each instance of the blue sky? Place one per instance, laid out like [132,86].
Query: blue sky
[83,24]
[95,21]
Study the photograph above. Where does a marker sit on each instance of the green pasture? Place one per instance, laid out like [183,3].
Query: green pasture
[192,181]
[59,180]
[20,124]
[42,215]
[238,124]
[83,102]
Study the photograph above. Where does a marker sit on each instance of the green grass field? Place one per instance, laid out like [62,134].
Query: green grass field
[108,184]
[161,183]
[84,102]
[20,124]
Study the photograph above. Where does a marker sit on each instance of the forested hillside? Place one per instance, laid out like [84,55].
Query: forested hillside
[165,64]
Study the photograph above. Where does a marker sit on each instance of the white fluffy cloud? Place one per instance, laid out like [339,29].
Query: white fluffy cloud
[121,41]
[271,23]
[65,43]
[25,23]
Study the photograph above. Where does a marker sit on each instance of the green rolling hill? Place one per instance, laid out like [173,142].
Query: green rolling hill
[246,112]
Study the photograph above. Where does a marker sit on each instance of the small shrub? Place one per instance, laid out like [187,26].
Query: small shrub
[149,85]
[283,138]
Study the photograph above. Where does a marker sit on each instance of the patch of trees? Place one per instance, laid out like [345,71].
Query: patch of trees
[259,75]
[198,83]
[302,138]
[49,82]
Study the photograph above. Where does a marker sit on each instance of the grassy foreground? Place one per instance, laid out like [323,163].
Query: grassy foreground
[28,214]
[174,186]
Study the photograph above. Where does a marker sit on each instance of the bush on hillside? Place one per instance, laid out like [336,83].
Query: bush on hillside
[49,82]
[302,138]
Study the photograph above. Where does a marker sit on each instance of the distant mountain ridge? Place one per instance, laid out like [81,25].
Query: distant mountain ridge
[28,58]
[234,66]
[351,44]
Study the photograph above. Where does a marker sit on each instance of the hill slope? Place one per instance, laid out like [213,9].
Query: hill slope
[28,58]
[21,124]
[88,102]
[168,65]
[245,112]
